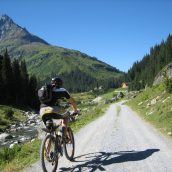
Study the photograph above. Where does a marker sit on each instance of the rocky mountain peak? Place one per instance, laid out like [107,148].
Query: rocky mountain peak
[5,19]
[10,31]
[5,25]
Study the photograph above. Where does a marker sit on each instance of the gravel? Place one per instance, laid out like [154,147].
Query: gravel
[119,141]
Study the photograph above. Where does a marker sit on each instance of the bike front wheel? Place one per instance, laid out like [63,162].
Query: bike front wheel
[69,145]
[48,154]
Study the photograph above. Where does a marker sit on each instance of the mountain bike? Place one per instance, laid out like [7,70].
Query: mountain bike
[55,143]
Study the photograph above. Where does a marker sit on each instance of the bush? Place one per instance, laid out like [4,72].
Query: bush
[168,85]
[9,113]
[114,94]
[3,122]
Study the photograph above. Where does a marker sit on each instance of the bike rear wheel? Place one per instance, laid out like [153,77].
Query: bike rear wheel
[69,145]
[48,154]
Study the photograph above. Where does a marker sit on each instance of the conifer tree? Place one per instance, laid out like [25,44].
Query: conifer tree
[32,91]
[24,81]
[1,83]
[17,80]
[7,77]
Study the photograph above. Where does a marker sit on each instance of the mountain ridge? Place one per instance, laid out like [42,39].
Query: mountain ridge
[45,60]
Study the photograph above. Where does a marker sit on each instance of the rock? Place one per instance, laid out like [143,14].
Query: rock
[149,113]
[13,126]
[12,145]
[114,99]
[38,121]
[160,76]
[140,103]
[148,105]
[33,124]
[15,143]
[25,127]
[97,100]
[169,133]
[120,95]
[13,130]
[153,101]
[157,98]
[23,139]
[28,113]
[32,140]
[165,100]
[31,121]
[132,94]
[5,136]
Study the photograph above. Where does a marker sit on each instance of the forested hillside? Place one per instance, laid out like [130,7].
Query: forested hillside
[143,72]
[16,87]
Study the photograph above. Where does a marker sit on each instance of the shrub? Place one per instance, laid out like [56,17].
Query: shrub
[9,113]
[3,122]
[168,85]
[114,94]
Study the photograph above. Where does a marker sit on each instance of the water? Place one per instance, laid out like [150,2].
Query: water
[21,136]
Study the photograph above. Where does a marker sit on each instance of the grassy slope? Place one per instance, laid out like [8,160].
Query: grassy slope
[18,116]
[45,60]
[13,160]
[160,113]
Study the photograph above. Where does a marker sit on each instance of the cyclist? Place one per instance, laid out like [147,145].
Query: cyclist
[54,107]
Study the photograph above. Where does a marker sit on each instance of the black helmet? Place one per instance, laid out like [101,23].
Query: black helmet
[57,82]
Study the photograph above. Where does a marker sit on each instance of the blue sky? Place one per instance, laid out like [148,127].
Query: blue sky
[118,32]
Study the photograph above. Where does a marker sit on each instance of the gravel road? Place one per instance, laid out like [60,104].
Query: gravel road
[119,141]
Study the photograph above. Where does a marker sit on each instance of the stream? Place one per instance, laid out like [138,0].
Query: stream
[22,133]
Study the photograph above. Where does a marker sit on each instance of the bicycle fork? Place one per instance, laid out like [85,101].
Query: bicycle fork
[58,146]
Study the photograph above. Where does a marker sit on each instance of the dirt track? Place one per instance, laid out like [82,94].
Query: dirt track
[118,142]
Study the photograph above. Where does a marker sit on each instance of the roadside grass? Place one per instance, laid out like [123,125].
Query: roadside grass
[92,114]
[110,94]
[21,156]
[155,106]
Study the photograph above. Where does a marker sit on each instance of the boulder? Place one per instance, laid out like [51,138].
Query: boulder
[160,76]
[15,143]
[120,95]
[97,100]
[169,133]
[153,101]
[140,103]
[5,136]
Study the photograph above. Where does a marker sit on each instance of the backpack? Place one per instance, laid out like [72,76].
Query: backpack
[45,93]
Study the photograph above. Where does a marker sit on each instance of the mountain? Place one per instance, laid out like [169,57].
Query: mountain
[45,60]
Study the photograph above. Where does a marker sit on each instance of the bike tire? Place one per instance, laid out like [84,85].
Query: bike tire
[42,153]
[68,155]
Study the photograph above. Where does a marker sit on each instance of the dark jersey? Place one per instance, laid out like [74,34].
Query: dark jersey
[57,93]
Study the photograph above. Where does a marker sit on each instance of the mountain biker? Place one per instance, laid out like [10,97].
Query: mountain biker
[58,93]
